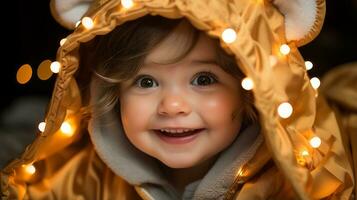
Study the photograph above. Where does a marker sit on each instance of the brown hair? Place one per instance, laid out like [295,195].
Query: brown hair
[118,56]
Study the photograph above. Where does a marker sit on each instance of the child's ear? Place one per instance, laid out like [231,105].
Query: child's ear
[303,18]
[69,12]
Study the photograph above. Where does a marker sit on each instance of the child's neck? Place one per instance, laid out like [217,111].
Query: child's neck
[180,178]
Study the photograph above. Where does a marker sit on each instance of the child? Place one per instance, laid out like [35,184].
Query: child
[166,114]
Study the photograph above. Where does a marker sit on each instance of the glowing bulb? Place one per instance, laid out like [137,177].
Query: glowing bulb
[66,129]
[240,172]
[229,35]
[273,60]
[285,49]
[315,142]
[247,83]
[78,23]
[55,67]
[30,169]
[42,126]
[63,41]
[305,153]
[87,22]
[285,110]
[127,3]
[308,65]
[315,82]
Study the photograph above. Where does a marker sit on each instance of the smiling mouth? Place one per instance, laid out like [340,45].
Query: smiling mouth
[178,133]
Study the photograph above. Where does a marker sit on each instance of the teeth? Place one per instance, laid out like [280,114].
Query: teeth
[176,130]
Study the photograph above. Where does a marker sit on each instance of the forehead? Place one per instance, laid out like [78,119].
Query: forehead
[177,42]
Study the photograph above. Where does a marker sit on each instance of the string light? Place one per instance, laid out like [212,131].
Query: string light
[304,158]
[87,22]
[304,153]
[315,82]
[285,49]
[285,110]
[78,23]
[240,172]
[63,41]
[42,126]
[24,74]
[55,67]
[30,169]
[273,60]
[308,65]
[247,83]
[229,35]
[127,3]
[67,129]
[315,142]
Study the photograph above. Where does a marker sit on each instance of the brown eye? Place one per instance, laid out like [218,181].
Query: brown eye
[146,82]
[204,79]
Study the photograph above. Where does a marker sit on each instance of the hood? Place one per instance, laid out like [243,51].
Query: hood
[266,37]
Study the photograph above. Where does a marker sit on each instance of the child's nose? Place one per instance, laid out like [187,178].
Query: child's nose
[172,105]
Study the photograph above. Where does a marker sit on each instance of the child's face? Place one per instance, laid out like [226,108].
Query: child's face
[192,94]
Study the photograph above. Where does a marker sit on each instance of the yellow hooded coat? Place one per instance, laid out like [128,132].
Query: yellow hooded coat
[280,162]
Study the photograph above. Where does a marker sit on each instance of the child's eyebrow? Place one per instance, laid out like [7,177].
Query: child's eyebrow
[205,61]
[210,61]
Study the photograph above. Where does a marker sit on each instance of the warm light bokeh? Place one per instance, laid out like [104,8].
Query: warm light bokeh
[247,83]
[229,35]
[44,70]
[285,110]
[24,74]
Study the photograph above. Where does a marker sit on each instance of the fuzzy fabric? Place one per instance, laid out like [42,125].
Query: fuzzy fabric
[300,16]
[69,12]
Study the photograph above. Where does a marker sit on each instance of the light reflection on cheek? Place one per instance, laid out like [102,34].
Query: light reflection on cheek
[216,107]
[212,104]
[218,103]
[221,108]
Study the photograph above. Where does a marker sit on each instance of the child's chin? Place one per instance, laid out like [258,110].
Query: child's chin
[179,163]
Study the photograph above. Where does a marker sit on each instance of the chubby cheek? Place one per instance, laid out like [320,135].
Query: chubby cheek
[135,114]
[221,112]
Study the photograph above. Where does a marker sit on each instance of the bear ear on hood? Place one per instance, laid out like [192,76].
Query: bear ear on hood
[303,18]
[68,12]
